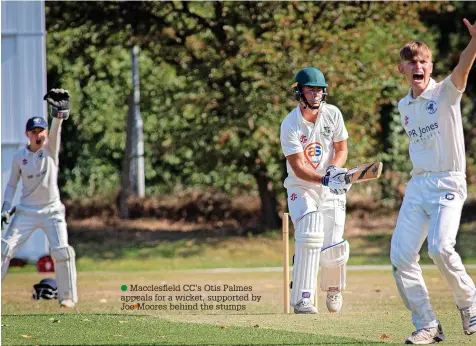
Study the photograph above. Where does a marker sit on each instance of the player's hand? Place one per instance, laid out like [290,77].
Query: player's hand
[335,179]
[331,170]
[58,99]
[471,28]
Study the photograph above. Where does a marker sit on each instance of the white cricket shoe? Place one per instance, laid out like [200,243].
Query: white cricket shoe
[334,300]
[468,315]
[305,306]
[67,303]
[426,336]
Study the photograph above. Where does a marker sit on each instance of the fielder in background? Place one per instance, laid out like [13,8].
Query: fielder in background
[314,141]
[434,197]
[40,205]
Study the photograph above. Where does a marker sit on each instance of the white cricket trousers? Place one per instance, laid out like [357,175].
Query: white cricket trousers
[332,207]
[50,218]
[431,208]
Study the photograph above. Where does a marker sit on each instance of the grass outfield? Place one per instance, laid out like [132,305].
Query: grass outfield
[373,312]
[369,244]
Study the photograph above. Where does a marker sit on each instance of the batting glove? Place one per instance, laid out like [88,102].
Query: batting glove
[58,99]
[335,180]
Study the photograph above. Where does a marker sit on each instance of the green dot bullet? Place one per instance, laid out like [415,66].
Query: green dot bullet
[124,288]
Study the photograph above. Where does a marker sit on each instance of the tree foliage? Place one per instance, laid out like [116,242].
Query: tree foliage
[215,85]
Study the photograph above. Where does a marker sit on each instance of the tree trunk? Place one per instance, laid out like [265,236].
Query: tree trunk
[269,203]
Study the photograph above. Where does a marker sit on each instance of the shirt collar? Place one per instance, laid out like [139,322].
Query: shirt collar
[301,119]
[426,94]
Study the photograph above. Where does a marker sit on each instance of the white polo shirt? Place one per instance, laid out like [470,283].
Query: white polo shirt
[318,150]
[433,123]
[39,171]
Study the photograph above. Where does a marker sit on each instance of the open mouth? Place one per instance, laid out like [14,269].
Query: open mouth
[418,76]
[38,141]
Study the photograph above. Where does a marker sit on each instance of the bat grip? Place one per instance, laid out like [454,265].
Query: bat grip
[348,178]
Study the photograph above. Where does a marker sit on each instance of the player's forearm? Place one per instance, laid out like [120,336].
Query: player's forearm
[466,58]
[8,197]
[340,158]
[460,74]
[304,172]
[54,137]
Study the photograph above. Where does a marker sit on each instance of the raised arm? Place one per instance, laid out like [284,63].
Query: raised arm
[58,99]
[54,136]
[459,77]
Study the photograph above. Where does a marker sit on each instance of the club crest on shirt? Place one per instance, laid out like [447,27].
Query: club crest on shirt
[293,197]
[327,131]
[24,161]
[313,153]
[303,139]
[431,107]
[406,120]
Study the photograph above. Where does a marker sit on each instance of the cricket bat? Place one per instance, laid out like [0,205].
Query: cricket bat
[365,172]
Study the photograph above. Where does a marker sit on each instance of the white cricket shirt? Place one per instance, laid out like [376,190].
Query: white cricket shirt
[435,128]
[318,150]
[39,171]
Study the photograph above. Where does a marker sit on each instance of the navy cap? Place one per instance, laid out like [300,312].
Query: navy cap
[36,122]
[48,282]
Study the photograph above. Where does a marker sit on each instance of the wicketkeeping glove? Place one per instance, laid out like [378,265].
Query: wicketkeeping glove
[6,215]
[58,99]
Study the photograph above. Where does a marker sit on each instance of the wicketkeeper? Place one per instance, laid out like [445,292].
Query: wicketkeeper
[40,205]
[314,141]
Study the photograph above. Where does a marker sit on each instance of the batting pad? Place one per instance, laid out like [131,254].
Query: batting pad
[333,265]
[309,238]
[6,257]
[65,268]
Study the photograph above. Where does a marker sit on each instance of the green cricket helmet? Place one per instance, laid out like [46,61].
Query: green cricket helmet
[311,77]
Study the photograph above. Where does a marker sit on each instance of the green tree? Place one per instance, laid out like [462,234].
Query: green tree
[216,82]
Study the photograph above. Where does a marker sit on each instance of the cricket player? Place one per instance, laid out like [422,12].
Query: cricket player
[434,197]
[314,141]
[40,205]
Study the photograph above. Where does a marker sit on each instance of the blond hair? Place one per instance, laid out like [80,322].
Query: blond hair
[413,49]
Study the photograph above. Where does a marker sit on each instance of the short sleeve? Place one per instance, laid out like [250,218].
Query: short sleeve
[290,138]
[340,133]
[449,92]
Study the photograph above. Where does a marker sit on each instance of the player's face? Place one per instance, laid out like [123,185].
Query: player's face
[37,137]
[313,95]
[417,71]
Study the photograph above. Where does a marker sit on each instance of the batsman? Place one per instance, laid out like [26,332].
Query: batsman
[314,141]
[40,206]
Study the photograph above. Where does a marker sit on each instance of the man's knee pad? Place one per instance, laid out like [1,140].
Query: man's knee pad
[7,253]
[309,238]
[333,265]
[65,267]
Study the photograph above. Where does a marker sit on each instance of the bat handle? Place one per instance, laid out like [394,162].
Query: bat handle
[348,178]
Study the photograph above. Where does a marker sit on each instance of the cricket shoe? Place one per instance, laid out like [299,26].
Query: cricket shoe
[304,306]
[67,303]
[426,336]
[334,300]
[468,315]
